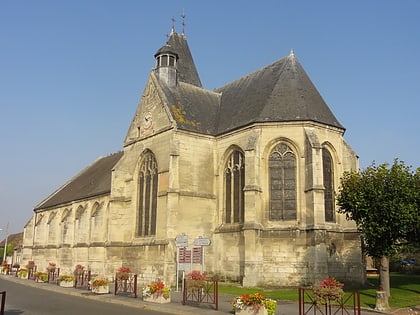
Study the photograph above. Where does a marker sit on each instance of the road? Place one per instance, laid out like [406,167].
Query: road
[23,299]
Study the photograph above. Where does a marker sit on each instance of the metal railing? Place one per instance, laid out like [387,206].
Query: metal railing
[349,304]
[206,291]
[126,286]
[53,275]
[82,279]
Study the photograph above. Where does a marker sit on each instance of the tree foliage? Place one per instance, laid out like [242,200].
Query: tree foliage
[384,202]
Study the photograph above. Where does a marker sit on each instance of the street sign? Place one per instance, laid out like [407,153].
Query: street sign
[202,241]
[181,240]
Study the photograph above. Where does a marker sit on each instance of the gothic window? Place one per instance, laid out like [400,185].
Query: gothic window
[234,188]
[97,223]
[148,186]
[65,227]
[282,172]
[328,172]
[52,227]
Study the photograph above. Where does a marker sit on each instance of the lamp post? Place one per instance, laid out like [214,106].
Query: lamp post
[5,243]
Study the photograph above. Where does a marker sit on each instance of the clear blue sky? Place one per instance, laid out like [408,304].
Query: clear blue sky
[72,73]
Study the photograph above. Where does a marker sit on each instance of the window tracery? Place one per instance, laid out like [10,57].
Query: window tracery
[148,186]
[282,172]
[234,188]
[328,173]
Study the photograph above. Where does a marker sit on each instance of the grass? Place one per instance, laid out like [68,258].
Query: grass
[405,291]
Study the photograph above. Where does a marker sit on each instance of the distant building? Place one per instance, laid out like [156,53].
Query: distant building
[252,167]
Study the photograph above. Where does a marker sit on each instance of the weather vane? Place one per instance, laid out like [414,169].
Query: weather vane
[173,24]
[183,22]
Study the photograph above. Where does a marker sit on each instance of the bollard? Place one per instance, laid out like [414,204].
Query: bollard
[3,302]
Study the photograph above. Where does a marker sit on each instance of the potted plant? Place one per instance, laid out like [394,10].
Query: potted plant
[23,273]
[100,286]
[328,290]
[78,270]
[254,304]
[51,267]
[5,268]
[30,265]
[195,280]
[40,276]
[66,281]
[157,292]
[123,273]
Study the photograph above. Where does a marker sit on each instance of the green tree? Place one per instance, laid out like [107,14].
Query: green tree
[384,202]
[9,250]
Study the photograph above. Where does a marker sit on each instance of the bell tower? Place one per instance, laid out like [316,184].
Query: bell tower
[166,64]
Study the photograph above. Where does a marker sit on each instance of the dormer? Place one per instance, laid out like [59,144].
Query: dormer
[166,65]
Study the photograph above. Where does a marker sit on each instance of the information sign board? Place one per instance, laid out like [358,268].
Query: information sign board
[181,240]
[202,241]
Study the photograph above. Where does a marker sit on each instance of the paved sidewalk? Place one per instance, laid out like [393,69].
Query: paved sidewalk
[175,307]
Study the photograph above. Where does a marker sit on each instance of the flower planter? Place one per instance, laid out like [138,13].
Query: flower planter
[251,311]
[104,289]
[66,284]
[157,299]
[22,275]
[40,280]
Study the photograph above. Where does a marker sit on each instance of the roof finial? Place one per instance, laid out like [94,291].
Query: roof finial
[292,53]
[173,26]
[183,22]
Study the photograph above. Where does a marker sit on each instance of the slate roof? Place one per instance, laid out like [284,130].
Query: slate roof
[187,72]
[194,108]
[280,92]
[94,180]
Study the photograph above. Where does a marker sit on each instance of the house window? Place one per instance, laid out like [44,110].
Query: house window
[171,61]
[282,169]
[328,172]
[234,188]
[148,185]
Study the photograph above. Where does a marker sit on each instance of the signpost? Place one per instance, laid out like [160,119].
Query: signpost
[181,240]
[190,256]
[201,241]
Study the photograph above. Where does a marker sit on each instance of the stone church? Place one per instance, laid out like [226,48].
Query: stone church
[238,182]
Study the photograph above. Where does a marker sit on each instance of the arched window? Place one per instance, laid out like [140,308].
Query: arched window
[148,186]
[234,188]
[328,172]
[282,169]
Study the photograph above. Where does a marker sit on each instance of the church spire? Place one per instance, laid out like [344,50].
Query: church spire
[174,61]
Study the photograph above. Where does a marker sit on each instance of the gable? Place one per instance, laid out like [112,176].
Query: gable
[152,114]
